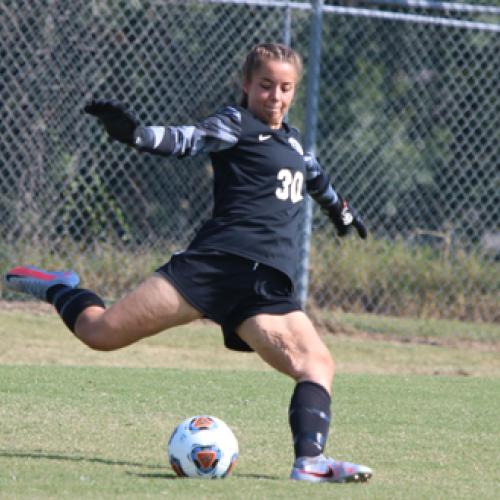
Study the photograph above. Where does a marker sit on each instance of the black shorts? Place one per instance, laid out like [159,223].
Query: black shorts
[229,289]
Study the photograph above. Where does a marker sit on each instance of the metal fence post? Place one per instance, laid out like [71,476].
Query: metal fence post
[313,76]
[287,25]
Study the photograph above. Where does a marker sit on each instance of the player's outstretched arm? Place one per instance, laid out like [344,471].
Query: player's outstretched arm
[343,216]
[217,132]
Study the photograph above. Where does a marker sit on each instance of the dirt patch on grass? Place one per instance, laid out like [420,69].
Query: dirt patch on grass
[342,330]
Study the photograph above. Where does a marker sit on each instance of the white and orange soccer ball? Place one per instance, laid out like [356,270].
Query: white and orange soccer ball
[203,447]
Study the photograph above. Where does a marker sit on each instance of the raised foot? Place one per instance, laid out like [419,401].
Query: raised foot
[36,281]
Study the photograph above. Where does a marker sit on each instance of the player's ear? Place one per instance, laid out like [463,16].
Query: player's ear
[246,85]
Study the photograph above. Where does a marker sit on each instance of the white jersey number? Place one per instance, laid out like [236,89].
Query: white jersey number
[291,185]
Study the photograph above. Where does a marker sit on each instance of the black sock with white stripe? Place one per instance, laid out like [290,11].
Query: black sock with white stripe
[309,418]
[70,302]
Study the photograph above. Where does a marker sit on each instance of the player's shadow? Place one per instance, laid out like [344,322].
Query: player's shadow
[154,475]
[258,476]
[44,455]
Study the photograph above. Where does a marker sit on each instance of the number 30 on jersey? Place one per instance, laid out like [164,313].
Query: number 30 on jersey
[291,185]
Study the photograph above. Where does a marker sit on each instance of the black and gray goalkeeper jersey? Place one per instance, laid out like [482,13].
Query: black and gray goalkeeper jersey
[260,179]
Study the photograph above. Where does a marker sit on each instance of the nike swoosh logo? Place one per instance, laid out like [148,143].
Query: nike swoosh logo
[319,474]
[30,273]
[263,137]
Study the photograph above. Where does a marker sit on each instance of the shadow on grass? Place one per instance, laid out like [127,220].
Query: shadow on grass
[258,476]
[153,475]
[44,455]
[156,475]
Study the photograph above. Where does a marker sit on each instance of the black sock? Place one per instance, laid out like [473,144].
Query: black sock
[309,418]
[53,290]
[70,302]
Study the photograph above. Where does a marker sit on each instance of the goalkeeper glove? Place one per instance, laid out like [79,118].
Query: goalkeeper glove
[118,122]
[344,218]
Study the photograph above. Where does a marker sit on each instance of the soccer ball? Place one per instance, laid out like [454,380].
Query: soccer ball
[203,447]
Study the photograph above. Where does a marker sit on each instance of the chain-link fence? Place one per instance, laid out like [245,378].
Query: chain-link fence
[408,128]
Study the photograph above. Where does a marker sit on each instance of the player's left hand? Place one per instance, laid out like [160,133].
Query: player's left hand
[345,218]
[117,120]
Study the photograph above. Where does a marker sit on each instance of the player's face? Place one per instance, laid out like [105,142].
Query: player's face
[270,91]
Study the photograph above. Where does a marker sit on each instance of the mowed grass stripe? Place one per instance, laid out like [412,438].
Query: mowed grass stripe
[80,432]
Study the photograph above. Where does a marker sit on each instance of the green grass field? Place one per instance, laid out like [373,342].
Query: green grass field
[421,409]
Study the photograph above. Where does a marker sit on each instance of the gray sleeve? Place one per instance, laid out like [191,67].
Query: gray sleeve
[219,131]
[317,183]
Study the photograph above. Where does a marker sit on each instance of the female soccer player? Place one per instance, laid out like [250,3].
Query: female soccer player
[239,269]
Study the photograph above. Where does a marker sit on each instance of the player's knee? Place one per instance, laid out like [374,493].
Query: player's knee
[95,340]
[98,344]
[329,364]
[93,329]
[317,364]
[325,361]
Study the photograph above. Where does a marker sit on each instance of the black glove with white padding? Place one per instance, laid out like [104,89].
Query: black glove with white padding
[344,218]
[116,119]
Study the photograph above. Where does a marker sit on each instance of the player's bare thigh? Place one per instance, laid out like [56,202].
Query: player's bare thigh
[290,344]
[153,306]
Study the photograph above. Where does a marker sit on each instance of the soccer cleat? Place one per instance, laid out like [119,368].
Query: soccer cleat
[323,469]
[35,281]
